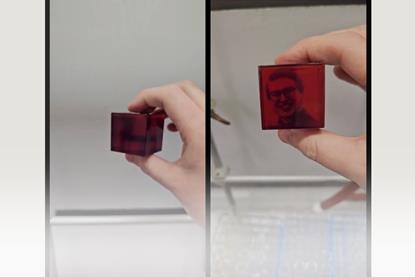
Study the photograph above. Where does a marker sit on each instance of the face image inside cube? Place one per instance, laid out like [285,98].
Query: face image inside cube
[138,134]
[292,96]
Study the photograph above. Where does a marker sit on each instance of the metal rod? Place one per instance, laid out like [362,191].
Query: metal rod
[217,161]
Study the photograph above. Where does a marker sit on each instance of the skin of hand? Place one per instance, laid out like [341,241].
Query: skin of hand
[346,50]
[184,103]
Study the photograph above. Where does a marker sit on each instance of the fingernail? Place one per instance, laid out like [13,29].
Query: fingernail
[172,127]
[284,135]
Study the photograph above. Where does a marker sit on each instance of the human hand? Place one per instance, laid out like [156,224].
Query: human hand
[184,103]
[346,50]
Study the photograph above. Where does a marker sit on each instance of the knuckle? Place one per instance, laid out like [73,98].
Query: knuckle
[310,40]
[359,31]
[186,83]
[361,140]
[150,92]
[144,167]
[145,170]
[310,149]
[360,143]
[175,88]
[147,91]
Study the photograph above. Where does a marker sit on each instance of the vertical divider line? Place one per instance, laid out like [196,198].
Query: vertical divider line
[47,140]
[369,136]
[207,137]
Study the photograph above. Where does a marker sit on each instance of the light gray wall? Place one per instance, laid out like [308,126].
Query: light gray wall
[244,39]
[102,54]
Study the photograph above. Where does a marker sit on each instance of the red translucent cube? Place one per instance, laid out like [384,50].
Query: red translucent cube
[138,134]
[292,96]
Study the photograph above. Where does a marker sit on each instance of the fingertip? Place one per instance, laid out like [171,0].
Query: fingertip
[138,160]
[129,157]
[130,107]
[139,107]
[317,208]
[284,135]
[294,136]
[290,56]
[280,59]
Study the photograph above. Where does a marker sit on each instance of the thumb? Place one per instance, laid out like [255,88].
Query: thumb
[157,168]
[344,155]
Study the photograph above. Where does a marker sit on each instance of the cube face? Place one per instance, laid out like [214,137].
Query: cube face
[292,96]
[137,134]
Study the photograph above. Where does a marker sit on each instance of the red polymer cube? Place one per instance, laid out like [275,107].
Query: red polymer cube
[138,134]
[292,96]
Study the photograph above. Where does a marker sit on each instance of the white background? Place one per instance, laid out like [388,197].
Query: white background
[22,152]
[22,149]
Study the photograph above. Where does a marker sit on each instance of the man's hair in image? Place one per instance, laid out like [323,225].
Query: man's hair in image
[290,75]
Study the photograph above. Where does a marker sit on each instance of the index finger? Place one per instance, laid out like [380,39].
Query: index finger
[194,92]
[344,48]
[178,106]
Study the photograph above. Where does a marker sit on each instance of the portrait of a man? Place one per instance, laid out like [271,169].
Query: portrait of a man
[285,91]
[284,101]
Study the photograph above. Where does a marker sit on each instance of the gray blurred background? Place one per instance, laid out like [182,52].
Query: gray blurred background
[102,54]
[244,39]
[265,231]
